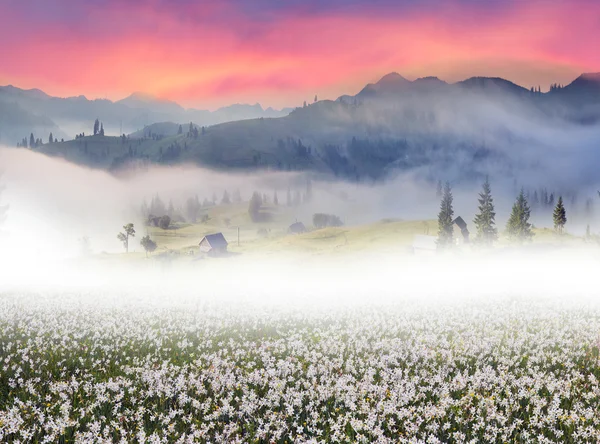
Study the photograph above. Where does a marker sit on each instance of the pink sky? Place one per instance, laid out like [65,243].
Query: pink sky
[209,54]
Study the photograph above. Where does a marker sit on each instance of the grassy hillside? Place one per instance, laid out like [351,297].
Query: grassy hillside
[391,236]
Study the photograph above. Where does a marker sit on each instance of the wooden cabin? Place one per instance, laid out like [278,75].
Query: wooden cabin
[214,244]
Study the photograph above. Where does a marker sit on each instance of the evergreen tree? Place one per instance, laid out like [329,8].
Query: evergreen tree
[308,195]
[559,216]
[31,141]
[171,209]
[445,219]
[275,200]
[192,207]
[485,220]
[225,200]
[518,227]
[50,139]
[289,197]
[439,190]
[96,127]
[237,196]
[102,129]
[254,207]
[144,210]
[180,130]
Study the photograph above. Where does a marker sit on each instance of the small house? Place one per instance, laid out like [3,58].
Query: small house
[424,245]
[297,228]
[214,244]
[461,233]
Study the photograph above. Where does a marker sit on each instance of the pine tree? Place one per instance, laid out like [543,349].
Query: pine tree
[275,199]
[445,219]
[439,190]
[180,130]
[485,220]
[289,197]
[225,200]
[254,207]
[518,227]
[31,141]
[50,139]
[559,216]
[96,127]
[102,129]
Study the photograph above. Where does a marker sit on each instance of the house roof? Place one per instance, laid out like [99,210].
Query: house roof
[460,222]
[216,240]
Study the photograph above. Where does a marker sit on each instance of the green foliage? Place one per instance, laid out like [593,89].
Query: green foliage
[225,200]
[322,220]
[559,216]
[445,218]
[192,207]
[148,244]
[485,220]
[254,207]
[518,227]
[164,222]
[128,231]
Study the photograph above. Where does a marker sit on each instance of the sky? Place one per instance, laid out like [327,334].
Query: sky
[206,54]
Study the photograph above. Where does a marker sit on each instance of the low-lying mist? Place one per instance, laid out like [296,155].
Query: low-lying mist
[53,204]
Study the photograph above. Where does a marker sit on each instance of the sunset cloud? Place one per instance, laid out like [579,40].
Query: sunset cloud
[208,54]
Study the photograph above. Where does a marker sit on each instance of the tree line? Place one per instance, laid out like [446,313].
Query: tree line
[518,227]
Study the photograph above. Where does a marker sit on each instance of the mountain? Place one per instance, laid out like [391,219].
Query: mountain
[17,123]
[151,103]
[463,130]
[75,115]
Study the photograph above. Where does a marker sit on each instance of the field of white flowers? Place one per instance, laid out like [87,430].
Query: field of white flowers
[502,370]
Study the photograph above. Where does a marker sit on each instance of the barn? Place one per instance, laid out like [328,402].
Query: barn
[461,233]
[214,244]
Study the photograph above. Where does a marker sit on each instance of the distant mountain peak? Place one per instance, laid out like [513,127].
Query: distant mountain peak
[590,76]
[392,79]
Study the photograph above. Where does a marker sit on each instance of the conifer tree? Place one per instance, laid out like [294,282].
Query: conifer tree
[225,200]
[559,216]
[485,220]
[102,129]
[51,139]
[254,207]
[31,141]
[439,190]
[275,199]
[445,219]
[96,127]
[518,227]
